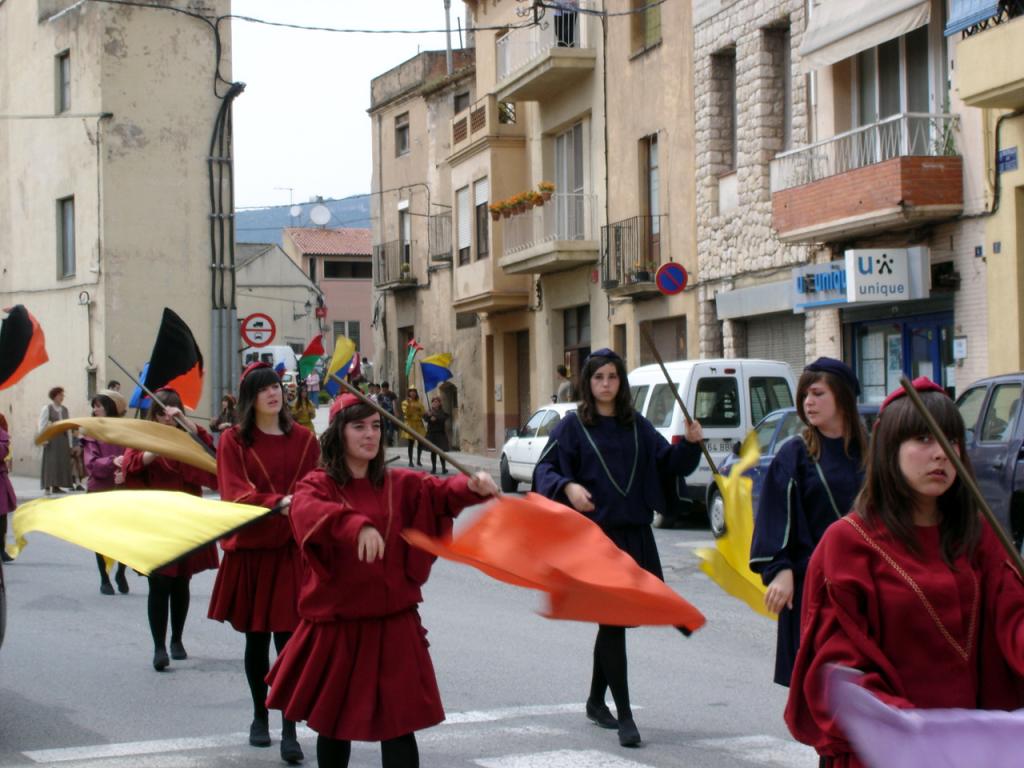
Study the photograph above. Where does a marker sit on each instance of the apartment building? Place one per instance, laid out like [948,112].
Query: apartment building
[339,263]
[532,144]
[989,77]
[106,118]
[651,195]
[411,110]
[840,190]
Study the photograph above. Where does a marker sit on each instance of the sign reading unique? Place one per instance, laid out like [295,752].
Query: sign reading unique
[671,278]
[258,329]
[877,274]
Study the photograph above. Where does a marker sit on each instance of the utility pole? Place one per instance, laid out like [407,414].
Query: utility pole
[448,35]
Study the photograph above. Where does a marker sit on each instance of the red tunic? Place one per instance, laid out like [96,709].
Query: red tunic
[921,634]
[257,586]
[170,475]
[357,668]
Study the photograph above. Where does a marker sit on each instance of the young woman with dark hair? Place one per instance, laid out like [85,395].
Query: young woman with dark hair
[303,410]
[169,587]
[357,667]
[911,589]
[811,483]
[226,418]
[413,411]
[260,461]
[607,461]
[102,473]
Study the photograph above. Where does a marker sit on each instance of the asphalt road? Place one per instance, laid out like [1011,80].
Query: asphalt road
[77,687]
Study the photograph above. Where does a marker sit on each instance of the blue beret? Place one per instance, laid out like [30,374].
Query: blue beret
[837,368]
[603,352]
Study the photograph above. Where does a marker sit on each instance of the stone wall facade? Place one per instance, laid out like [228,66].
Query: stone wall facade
[745,37]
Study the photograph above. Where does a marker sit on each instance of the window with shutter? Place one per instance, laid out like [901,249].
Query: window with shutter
[465,224]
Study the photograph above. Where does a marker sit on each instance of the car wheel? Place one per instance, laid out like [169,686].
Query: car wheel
[716,514]
[508,483]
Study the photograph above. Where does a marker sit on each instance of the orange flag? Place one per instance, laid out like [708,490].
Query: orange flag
[541,544]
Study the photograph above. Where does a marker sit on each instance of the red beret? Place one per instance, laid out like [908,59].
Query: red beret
[921,384]
[344,401]
[254,366]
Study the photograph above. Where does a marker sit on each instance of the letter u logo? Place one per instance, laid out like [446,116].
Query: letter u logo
[860,265]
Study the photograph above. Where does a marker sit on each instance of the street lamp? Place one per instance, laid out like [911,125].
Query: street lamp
[308,306]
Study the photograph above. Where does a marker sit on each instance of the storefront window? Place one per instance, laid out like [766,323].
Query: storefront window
[916,346]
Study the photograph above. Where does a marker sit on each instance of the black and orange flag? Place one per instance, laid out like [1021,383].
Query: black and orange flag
[22,346]
[176,362]
[540,544]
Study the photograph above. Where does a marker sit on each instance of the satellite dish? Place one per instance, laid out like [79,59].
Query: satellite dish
[295,211]
[320,215]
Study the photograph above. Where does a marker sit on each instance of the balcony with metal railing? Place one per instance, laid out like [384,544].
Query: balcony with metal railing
[487,119]
[989,64]
[631,252]
[539,61]
[392,265]
[894,174]
[561,234]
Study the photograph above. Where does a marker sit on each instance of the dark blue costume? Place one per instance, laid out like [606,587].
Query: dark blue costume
[622,466]
[794,510]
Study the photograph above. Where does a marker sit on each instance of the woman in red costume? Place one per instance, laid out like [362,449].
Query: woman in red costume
[169,587]
[912,589]
[259,461]
[358,667]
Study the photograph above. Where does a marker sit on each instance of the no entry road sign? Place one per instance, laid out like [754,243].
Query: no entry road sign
[258,329]
[671,278]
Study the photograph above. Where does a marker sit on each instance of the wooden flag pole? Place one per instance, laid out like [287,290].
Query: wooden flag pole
[675,391]
[180,421]
[962,472]
[403,426]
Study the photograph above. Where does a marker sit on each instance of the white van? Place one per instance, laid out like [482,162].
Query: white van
[728,397]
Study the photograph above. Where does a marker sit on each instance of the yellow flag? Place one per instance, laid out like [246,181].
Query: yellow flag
[727,563]
[142,529]
[152,436]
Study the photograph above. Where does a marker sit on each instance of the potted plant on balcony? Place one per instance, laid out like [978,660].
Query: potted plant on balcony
[546,189]
[536,198]
[406,272]
[495,209]
[505,206]
[643,271]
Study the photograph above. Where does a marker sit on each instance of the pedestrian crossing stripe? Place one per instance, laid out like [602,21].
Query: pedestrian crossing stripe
[762,750]
[562,758]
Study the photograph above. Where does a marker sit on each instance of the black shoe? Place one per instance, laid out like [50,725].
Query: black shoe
[106,588]
[410,462]
[601,715]
[259,733]
[55,490]
[178,652]
[78,487]
[160,660]
[629,736]
[122,582]
[291,752]
[4,556]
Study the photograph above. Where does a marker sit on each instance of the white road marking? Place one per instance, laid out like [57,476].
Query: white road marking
[708,543]
[763,750]
[563,758]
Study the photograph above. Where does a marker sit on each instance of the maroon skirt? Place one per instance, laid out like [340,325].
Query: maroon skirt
[204,559]
[257,590]
[359,680]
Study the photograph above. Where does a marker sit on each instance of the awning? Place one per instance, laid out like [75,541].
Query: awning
[967,13]
[841,28]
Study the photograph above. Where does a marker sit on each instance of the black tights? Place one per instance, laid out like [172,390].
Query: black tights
[164,591]
[419,451]
[257,665]
[105,578]
[394,753]
[433,462]
[610,669]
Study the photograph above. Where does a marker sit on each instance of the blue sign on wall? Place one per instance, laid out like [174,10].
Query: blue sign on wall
[1007,160]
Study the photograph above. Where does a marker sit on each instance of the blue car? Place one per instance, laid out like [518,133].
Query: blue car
[772,431]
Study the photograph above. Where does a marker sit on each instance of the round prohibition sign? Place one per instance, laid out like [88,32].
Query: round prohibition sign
[671,278]
[258,329]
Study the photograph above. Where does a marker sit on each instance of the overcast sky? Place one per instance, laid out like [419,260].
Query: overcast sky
[302,121]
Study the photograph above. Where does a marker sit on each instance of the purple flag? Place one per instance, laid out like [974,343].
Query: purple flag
[884,736]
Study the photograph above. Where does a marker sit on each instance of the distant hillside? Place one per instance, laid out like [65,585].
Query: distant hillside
[264,225]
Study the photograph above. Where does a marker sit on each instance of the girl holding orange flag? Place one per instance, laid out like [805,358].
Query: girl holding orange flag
[357,667]
[606,461]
